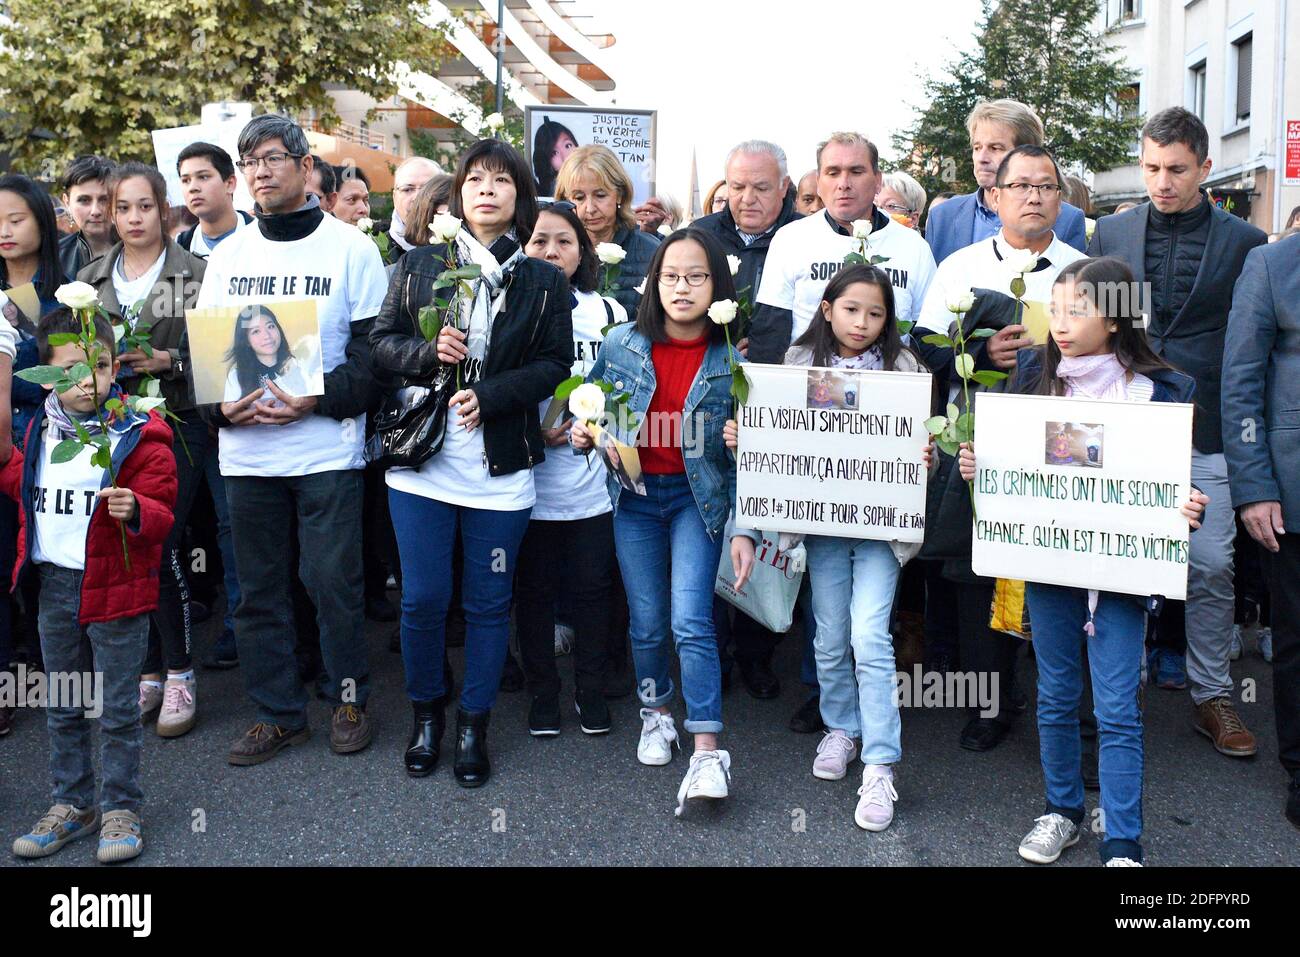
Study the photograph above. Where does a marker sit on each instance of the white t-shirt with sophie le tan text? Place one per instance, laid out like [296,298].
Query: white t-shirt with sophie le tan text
[338,267]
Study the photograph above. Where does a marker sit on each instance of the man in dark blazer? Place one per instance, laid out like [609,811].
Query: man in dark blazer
[1187,253]
[996,127]
[1261,439]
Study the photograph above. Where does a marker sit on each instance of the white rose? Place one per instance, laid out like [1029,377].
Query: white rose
[734,263]
[611,254]
[1021,261]
[861,228]
[587,402]
[444,227]
[723,311]
[366,225]
[494,121]
[77,295]
[961,301]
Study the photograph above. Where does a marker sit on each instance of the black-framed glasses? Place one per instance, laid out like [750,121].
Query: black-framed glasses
[692,278]
[1044,190]
[273,161]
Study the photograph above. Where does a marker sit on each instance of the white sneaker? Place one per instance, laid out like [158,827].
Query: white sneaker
[834,753]
[707,777]
[658,735]
[1234,650]
[151,697]
[1122,862]
[876,798]
[1052,834]
[564,636]
[1264,641]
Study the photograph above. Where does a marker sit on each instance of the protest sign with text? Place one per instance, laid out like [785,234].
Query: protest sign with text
[551,133]
[833,452]
[1083,492]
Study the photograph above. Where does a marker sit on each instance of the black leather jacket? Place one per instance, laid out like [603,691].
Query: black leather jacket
[530,354]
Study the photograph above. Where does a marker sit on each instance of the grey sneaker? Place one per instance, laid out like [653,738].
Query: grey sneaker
[1052,834]
[876,798]
[60,824]
[151,698]
[1264,641]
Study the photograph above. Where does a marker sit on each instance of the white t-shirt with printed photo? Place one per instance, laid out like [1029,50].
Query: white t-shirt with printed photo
[572,487]
[806,254]
[340,268]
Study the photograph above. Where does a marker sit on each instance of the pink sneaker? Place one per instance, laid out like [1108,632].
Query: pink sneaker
[876,798]
[834,753]
[151,697]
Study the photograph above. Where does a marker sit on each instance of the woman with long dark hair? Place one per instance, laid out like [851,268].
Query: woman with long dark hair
[261,352]
[552,144]
[146,281]
[506,339]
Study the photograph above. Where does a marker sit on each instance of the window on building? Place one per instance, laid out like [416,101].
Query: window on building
[1243,51]
[1120,11]
[1197,90]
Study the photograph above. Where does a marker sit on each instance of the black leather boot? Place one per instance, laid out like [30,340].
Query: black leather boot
[426,737]
[472,768]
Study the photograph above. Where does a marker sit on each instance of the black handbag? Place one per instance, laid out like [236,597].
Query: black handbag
[411,423]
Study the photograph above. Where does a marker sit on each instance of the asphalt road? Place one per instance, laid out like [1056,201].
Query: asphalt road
[586,800]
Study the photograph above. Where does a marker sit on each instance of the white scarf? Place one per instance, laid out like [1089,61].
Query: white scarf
[478,313]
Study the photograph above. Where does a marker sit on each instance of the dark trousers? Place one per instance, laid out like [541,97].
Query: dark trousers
[586,575]
[327,506]
[378,543]
[1168,630]
[983,650]
[170,626]
[1284,568]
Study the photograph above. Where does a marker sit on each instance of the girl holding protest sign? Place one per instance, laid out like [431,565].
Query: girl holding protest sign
[674,365]
[1094,355]
[853,579]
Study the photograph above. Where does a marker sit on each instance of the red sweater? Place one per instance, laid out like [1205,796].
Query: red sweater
[108,590]
[676,362]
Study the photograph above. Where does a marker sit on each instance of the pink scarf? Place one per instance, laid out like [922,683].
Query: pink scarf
[1093,377]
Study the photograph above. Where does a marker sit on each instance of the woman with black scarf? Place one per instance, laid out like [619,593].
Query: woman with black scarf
[508,339]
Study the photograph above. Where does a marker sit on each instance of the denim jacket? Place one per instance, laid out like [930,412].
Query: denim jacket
[625,363]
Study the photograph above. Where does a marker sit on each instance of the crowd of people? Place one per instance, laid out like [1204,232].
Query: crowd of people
[437,459]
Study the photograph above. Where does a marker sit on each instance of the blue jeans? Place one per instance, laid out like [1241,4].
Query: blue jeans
[426,535]
[1115,660]
[653,533]
[113,649]
[853,583]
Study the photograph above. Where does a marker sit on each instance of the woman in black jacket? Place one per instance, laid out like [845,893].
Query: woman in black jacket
[510,343]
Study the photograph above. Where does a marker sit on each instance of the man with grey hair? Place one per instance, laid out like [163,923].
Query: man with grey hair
[996,127]
[408,179]
[757,206]
[296,459]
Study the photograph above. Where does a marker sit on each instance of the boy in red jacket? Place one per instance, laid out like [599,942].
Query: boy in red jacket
[70,529]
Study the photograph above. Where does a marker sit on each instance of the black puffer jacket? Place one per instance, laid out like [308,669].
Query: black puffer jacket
[530,354]
[722,226]
[1175,246]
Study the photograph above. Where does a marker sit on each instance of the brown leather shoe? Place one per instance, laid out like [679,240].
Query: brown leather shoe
[262,741]
[1218,720]
[350,729]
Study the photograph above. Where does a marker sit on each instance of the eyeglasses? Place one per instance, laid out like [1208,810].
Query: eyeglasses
[692,279]
[896,208]
[1045,190]
[273,161]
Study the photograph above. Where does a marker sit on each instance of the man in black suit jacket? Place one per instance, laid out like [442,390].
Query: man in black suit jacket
[1189,253]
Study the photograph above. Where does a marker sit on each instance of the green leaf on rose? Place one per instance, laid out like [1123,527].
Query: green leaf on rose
[43,375]
[953,411]
[430,323]
[936,423]
[982,333]
[565,388]
[905,326]
[948,447]
[740,385]
[1018,286]
[64,338]
[965,427]
[937,340]
[988,377]
[65,451]
[964,365]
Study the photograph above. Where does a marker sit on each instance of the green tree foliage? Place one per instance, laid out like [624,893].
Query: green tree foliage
[101,74]
[1049,54]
